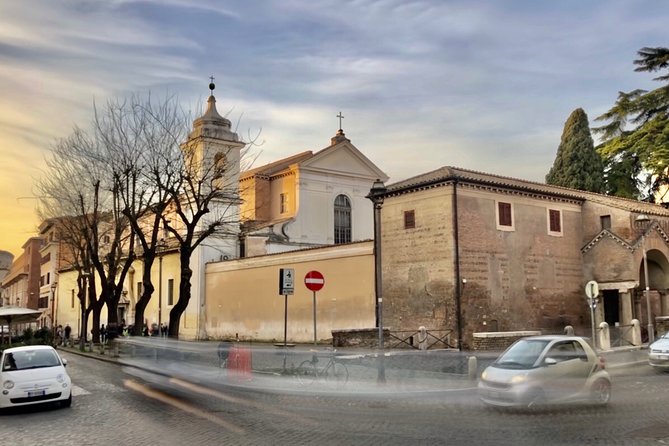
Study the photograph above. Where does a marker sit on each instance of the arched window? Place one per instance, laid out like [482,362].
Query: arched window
[342,219]
[219,165]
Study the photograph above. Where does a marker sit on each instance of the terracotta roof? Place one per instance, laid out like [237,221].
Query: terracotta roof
[449,173]
[277,166]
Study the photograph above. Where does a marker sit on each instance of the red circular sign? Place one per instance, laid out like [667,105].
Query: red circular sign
[314,280]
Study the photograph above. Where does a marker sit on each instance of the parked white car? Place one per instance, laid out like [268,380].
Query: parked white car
[33,374]
[539,370]
[658,352]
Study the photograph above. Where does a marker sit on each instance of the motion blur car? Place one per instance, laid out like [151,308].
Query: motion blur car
[33,374]
[658,352]
[538,370]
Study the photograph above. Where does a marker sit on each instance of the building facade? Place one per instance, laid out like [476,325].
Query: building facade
[468,252]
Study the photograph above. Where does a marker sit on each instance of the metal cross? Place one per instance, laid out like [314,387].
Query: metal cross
[340,116]
[211,78]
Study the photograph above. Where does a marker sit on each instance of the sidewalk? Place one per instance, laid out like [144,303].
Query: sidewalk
[272,367]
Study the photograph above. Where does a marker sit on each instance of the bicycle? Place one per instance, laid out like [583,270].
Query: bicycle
[333,372]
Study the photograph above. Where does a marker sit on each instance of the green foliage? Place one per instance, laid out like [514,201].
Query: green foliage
[577,164]
[635,138]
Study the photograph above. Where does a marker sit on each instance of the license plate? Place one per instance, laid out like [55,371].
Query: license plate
[663,357]
[33,393]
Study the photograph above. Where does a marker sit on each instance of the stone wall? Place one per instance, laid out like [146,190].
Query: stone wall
[362,337]
[498,341]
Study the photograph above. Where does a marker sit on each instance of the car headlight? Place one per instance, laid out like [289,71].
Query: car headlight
[518,379]
[60,378]
[484,375]
[8,384]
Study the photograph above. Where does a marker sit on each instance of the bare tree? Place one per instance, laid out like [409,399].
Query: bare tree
[205,202]
[142,137]
[67,193]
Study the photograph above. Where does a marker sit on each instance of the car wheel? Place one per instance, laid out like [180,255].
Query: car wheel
[601,392]
[67,402]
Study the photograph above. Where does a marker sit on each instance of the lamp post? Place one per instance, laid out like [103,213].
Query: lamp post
[160,247]
[376,195]
[644,219]
[53,304]
[83,327]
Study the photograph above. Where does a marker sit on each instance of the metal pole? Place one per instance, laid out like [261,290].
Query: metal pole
[315,318]
[160,294]
[381,372]
[285,320]
[651,330]
[378,272]
[592,320]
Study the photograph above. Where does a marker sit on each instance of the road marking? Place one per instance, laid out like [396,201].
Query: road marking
[174,402]
[76,391]
[231,399]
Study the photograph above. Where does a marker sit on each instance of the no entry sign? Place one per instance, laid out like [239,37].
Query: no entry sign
[314,280]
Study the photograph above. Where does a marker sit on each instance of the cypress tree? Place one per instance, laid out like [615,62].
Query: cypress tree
[577,164]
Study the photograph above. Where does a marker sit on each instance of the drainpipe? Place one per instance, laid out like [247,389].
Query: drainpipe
[458,303]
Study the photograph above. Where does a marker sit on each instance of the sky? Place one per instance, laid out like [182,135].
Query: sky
[476,84]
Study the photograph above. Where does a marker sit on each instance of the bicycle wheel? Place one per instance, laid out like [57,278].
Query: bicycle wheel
[337,374]
[306,373]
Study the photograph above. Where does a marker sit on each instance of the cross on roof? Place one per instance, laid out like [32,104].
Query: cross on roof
[340,116]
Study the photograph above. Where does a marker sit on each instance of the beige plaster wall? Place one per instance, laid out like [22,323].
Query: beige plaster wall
[243,295]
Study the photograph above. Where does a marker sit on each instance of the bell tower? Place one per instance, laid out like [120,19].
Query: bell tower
[213,154]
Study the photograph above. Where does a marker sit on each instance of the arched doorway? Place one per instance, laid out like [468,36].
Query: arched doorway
[658,283]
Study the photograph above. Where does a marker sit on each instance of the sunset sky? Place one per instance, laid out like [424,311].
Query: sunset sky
[484,85]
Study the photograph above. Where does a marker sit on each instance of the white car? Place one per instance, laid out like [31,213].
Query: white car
[658,352]
[33,374]
[539,370]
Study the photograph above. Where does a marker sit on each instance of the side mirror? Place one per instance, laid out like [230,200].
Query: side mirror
[64,362]
[550,361]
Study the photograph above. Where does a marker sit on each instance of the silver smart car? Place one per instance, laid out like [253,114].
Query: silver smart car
[539,370]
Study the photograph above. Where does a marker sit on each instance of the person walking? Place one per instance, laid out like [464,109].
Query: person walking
[68,332]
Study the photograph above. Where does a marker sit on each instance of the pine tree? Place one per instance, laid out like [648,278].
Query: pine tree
[635,137]
[577,164]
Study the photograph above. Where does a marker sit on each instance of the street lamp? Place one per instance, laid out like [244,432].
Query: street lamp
[53,304]
[160,247]
[83,327]
[376,195]
[644,219]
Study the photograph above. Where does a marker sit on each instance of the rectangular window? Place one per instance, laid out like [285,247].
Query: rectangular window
[409,219]
[554,221]
[170,292]
[139,290]
[48,278]
[284,203]
[605,221]
[504,215]
[72,299]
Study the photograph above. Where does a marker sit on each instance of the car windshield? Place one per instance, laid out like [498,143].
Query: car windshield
[521,355]
[29,359]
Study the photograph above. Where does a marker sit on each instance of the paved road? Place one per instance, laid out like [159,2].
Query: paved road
[122,405]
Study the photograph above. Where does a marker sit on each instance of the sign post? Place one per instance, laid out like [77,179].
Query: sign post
[314,281]
[592,291]
[286,287]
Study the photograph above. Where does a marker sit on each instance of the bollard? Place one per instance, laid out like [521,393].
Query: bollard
[422,338]
[472,366]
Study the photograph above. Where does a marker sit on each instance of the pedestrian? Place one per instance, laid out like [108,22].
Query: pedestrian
[68,331]
[103,334]
[59,335]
